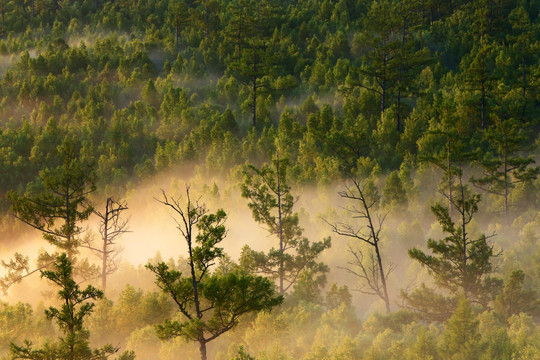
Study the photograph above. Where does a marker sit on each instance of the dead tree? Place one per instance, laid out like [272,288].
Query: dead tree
[370,271]
[111,227]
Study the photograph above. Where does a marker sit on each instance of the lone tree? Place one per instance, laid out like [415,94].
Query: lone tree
[210,303]
[272,204]
[111,227]
[70,319]
[459,263]
[54,204]
[371,272]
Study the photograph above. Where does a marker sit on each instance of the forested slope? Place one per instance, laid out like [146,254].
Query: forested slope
[415,123]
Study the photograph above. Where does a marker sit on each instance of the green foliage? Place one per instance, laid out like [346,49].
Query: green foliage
[211,304]
[461,338]
[340,88]
[515,299]
[459,263]
[69,318]
[271,204]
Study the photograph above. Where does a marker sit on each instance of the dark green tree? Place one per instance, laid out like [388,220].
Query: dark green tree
[178,17]
[271,204]
[55,204]
[525,48]
[211,303]
[515,298]
[249,31]
[461,336]
[445,146]
[505,165]
[76,306]
[458,262]
[58,201]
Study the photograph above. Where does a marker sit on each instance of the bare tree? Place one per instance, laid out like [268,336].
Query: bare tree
[371,271]
[111,227]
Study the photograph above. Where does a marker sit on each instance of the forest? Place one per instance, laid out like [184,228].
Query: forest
[270,179]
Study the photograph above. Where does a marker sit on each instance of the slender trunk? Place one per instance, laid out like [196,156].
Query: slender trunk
[254,87]
[280,220]
[207,21]
[383,87]
[68,235]
[490,19]
[449,171]
[105,245]
[176,36]
[377,252]
[401,64]
[464,241]
[33,8]
[202,349]
[506,185]
[193,275]
[383,278]
[524,82]
[483,104]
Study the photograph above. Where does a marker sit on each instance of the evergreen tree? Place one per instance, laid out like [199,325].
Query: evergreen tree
[461,338]
[55,204]
[459,263]
[272,204]
[211,303]
[70,319]
[249,30]
[505,166]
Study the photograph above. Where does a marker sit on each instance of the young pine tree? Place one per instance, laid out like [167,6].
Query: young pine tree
[70,318]
[459,263]
[272,204]
[209,303]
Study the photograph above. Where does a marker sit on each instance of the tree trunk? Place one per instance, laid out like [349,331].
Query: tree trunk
[450,183]
[375,238]
[202,349]
[383,87]
[254,87]
[464,243]
[400,80]
[383,278]
[105,244]
[280,220]
[483,106]
[68,235]
[524,82]
[176,35]
[506,185]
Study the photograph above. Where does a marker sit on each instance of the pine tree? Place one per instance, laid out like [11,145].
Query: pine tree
[55,204]
[459,263]
[272,204]
[461,338]
[75,307]
[210,303]
[505,165]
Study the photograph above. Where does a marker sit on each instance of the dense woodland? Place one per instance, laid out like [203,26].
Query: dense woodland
[386,152]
